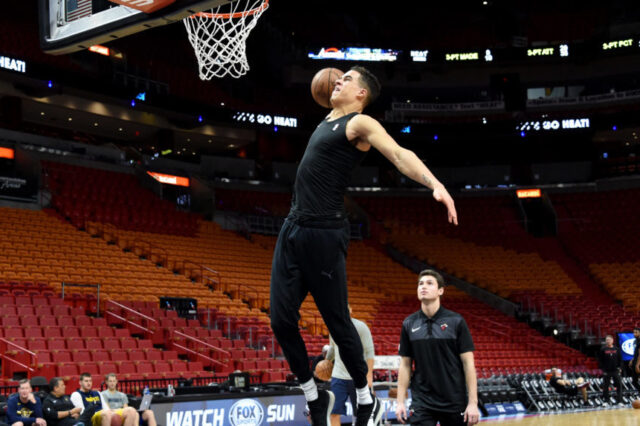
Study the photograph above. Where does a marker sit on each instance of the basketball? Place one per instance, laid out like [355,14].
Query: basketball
[324,370]
[393,393]
[322,85]
[636,403]
[116,420]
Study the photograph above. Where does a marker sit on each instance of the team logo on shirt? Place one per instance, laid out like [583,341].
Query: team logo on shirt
[25,412]
[444,326]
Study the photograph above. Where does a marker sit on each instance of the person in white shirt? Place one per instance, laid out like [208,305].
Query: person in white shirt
[117,400]
[342,384]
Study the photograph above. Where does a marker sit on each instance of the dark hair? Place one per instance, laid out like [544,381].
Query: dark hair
[83,375]
[370,82]
[53,383]
[110,375]
[434,274]
[636,328]
[23,381]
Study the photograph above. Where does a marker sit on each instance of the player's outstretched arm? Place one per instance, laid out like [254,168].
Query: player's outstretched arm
[406,161]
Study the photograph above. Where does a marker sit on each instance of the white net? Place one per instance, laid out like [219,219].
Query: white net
[219,37]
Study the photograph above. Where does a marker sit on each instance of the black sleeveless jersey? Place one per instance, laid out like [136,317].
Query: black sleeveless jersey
[325,171]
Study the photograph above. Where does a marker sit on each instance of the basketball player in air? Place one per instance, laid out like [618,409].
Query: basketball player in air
[311,250]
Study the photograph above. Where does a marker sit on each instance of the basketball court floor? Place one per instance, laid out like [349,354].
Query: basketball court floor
[621,417]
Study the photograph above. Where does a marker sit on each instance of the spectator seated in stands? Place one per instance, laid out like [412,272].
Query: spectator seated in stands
[58,408]
[91,403]
[25,409]
[565,387]
[119,401]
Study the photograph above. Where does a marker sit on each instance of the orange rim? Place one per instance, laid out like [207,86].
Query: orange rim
[237,15]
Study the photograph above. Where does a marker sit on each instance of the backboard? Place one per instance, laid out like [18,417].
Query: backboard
[67,26]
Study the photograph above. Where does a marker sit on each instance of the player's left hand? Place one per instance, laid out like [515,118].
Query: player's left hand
[441,195]
[471,414]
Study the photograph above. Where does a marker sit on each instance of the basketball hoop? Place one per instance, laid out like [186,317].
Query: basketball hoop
[219,37]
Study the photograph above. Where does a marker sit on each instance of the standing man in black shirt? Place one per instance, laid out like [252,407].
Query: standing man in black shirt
[310,254]
[634,364]
[444,384]
[58,408]
[610,361]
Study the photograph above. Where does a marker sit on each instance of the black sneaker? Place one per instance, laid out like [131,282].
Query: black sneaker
[376,416]
[369,414]
[320,409]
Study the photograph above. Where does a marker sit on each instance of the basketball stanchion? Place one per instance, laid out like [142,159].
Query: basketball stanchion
[219,37]
[390,363]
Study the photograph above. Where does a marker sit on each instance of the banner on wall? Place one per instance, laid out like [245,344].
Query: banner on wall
[254,411]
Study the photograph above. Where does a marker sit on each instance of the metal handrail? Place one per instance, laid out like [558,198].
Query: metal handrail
[217,280]
[184,269]
[32,355]
[133,311]
[211,360]
[507,334]
[252,289]
[202,342]
[143,328]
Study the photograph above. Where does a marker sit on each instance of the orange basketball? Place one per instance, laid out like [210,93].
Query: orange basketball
[393,393]
[324,369]
[636,403]
[116,420]
[322,85]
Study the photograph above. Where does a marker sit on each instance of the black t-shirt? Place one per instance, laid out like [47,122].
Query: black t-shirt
[636,351]
[52,405]
[325,171]
[609,358]
[553,381]
[438,382]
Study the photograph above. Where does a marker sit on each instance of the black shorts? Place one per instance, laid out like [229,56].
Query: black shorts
[310,257]
[426,417]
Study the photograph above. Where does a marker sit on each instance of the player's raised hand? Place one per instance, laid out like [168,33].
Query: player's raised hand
[441,195]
